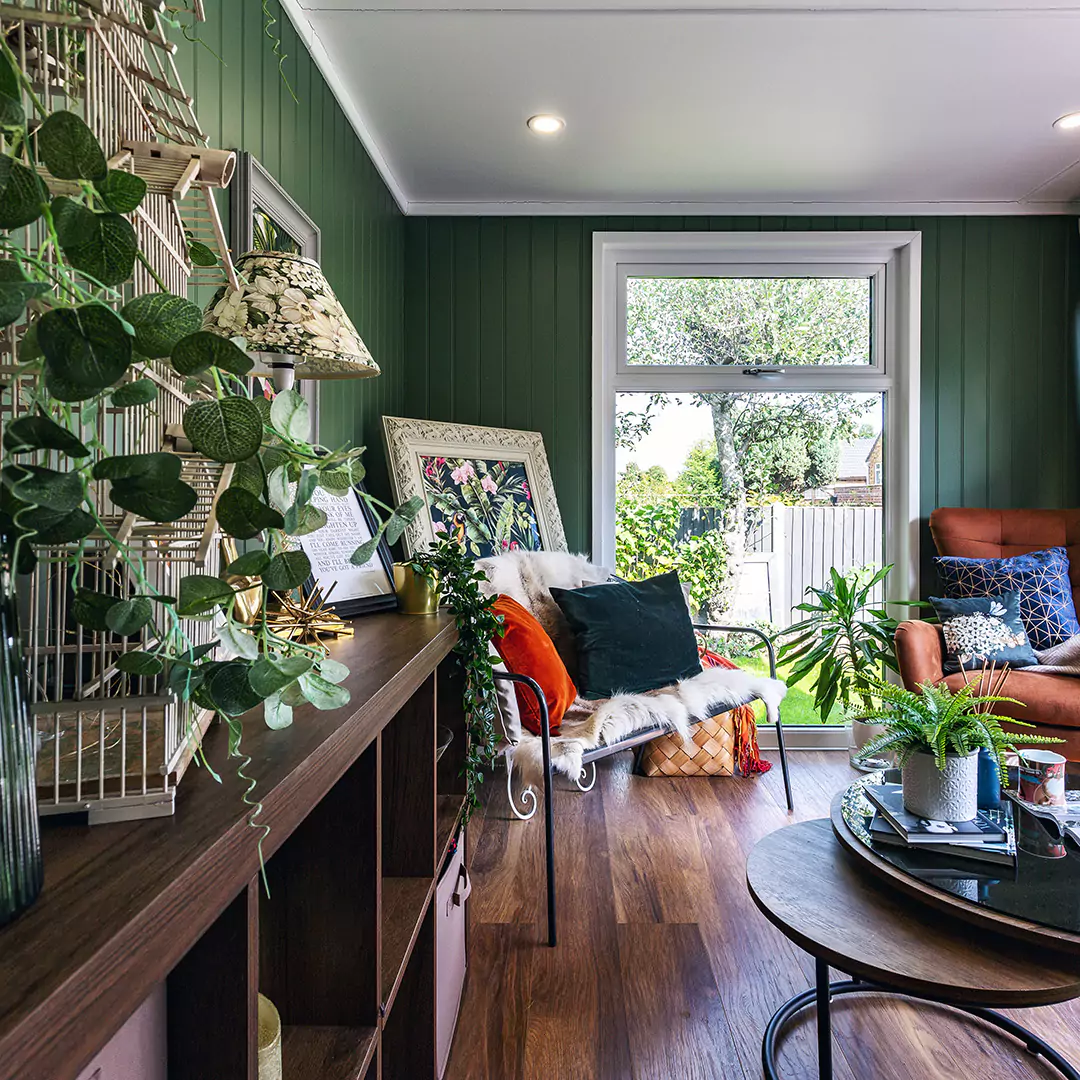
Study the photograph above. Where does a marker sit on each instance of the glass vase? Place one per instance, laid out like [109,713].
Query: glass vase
[21,873]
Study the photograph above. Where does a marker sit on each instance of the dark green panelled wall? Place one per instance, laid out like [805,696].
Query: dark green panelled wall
[498,332]
[488,320]
[310,148]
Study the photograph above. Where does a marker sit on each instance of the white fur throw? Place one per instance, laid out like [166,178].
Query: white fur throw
[528,577]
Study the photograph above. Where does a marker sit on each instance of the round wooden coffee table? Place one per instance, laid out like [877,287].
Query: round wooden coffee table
[818,896]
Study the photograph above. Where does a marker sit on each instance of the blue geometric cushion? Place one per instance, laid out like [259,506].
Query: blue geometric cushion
[1040,577]
[983,629]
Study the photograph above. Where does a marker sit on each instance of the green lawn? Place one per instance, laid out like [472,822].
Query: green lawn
[798,706]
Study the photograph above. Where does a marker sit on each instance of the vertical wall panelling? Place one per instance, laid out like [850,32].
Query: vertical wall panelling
[309,146]
[466,339]
[517,329]
[491,311]
[999,384]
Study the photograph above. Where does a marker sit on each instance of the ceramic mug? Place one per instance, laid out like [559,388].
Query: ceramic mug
[1042,777]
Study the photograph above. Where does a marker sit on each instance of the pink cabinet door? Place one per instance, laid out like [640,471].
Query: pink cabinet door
[451,894]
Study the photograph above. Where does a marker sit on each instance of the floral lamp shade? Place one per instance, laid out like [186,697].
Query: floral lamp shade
[285,307]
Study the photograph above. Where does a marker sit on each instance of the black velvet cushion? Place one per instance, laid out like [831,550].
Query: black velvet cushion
[631,636]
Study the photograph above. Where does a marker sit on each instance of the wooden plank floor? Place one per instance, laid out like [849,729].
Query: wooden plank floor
[664,969]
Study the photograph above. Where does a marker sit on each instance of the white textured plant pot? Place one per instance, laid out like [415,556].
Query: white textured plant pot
[949,795]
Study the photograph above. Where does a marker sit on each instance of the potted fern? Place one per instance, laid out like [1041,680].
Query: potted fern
[936,736]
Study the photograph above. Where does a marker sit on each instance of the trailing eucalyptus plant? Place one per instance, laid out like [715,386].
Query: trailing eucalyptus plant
[452,571]
[90,345]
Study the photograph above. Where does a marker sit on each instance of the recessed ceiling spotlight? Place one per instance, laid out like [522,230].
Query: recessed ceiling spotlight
[545,124]
[1068,121]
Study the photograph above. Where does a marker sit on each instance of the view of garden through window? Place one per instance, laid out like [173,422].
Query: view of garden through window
[751,495]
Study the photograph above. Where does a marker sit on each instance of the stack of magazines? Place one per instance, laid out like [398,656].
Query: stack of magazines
[989,838]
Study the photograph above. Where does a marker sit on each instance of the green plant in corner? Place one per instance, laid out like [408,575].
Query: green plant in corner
[451,568]
[844,639]
[941,721]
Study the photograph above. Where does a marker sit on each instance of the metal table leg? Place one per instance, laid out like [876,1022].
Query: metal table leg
[824,1020]
[824,991]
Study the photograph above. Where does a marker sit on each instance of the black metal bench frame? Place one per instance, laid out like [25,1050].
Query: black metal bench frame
[634,741]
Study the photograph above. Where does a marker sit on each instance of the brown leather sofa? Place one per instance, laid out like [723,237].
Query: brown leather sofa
[1053,701]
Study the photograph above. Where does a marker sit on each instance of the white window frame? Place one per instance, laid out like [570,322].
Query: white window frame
[893,259]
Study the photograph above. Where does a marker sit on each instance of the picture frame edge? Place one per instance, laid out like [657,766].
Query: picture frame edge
[401,456]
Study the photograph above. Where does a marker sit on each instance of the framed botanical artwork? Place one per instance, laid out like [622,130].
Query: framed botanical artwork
[490,488]
[348,590]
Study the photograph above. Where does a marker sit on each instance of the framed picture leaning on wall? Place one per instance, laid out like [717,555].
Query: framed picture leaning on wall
[348,590]
[490,488]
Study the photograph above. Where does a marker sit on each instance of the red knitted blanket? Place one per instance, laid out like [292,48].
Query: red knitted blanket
[747,753]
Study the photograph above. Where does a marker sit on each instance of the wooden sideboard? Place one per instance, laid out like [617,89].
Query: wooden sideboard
[360,820]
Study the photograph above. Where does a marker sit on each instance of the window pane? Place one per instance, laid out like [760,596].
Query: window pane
[748,322]
[752,498]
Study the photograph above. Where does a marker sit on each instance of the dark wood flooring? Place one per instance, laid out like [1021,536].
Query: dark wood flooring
[664,969]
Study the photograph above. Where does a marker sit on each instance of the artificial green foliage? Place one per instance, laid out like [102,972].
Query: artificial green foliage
[200,254]
[160,322]
[940,721]
[137,392]
[451,568]
[122,192]
[16,291]
[69,148]
[23,194]
[224,429]
[845,640]
[89,345]
[29,434]
[244,515]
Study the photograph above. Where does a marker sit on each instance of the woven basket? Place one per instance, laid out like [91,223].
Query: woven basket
[711,753]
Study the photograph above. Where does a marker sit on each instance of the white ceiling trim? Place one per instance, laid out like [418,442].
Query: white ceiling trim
[296,10]
[318,52]
[419,208]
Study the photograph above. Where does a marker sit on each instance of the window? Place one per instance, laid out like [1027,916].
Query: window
[748,389]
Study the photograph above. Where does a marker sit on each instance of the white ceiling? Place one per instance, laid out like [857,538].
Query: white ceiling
[835,106]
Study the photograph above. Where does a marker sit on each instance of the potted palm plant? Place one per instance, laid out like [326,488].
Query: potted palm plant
[844,641]
[936,736]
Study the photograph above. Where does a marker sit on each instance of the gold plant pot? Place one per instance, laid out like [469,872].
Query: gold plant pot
[416,594]
[269,1040]
[248,596]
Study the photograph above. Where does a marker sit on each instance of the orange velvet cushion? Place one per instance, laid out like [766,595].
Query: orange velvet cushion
[526,649]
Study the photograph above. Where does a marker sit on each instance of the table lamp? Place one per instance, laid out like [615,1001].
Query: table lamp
[288,314]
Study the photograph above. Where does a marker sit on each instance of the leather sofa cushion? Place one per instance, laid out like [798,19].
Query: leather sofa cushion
[1048,699]
[999,534]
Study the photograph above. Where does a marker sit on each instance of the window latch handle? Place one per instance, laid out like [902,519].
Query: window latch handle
[772,372]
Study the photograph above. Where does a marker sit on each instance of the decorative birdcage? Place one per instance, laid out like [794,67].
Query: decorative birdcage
[114,744]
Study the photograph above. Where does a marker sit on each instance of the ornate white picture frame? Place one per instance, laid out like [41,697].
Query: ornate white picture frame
[491,486]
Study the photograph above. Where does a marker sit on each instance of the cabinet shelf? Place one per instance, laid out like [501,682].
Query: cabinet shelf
[404,904]
[357,834]
[327,1053]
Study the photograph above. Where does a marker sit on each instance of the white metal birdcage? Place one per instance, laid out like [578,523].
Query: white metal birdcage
[112,744]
